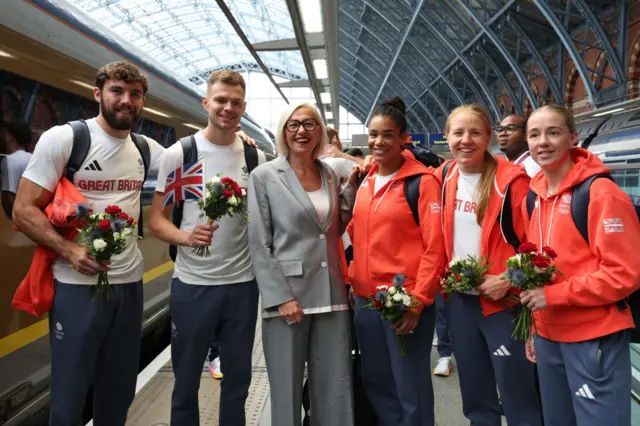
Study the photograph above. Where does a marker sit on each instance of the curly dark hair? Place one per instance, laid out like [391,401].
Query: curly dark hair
[395,109]
[124,71]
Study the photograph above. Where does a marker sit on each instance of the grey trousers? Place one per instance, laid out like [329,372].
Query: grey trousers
[323,341]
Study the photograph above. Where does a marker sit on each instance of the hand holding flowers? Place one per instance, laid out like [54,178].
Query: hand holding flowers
[223,196]
[530,271]
[463,275]
[393,303]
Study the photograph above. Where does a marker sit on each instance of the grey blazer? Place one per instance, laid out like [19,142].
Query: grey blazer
[294,254]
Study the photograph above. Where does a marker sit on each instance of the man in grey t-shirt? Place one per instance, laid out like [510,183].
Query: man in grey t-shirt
[16,135]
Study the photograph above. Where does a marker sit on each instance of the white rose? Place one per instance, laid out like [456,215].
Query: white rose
[454,262]
[389,303]
[126,232]
[406,300]
[243,192]
[397,297]
[392,290]
[232,201]
[230,209]
[116,235]
[99,244]
[519,257]
[215,180]
[208,194]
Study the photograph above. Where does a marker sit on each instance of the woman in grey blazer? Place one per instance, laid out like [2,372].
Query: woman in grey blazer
[297,214]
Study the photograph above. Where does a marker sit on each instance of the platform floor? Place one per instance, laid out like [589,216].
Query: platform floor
[153,399]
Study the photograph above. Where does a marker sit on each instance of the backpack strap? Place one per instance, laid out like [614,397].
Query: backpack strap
[412,194]
[189,155]
[250,156]
[580,198]
[80,147]
[505,220]
[145,152]
[531,202]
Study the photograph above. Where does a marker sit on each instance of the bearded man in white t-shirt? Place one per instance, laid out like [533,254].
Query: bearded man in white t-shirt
[93,342]
[215,295]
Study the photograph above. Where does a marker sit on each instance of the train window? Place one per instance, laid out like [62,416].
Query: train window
[628,180]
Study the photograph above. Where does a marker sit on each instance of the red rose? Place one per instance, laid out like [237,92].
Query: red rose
[112,210]
[540,261]
[123,216]
[550,252]
[527,248]
[131,220]
[377,304]
[238,192]
[105,225]
[227,193]
[225,180]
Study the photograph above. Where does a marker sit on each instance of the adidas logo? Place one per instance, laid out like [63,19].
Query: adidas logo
[502,351]
[585,392]
[94,166]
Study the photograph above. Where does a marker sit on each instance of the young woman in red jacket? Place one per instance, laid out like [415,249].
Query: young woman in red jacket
[477,190]
[583,322]
[387,241]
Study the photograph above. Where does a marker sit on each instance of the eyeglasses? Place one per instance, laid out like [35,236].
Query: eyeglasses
[510,128]
[309,124]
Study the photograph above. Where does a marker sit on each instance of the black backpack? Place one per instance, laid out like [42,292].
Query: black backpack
[580,198]
[505,217]
[80,149]
[190,155]
[412,183]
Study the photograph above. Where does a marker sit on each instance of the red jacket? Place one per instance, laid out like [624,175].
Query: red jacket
[35,293]
[387,241]
[581,304]
[493,244]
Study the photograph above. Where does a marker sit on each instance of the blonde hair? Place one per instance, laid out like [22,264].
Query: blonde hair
[490,166]
[558,109]
[229,77]
[281,137]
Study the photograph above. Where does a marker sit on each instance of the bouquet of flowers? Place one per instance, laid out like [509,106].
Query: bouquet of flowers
[528,270]
[463,275]
[392,302]
[105,234]
[223,196]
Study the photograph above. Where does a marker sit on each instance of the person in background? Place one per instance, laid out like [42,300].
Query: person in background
[388,241]
[355,152]
[297,213]
[216,297]
[475,189]
[513,142]
[94,341]
[582,319]
[334,152]
[442,340]
[17,136]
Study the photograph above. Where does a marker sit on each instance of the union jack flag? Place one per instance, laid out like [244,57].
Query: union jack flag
[613,224]
[184,183]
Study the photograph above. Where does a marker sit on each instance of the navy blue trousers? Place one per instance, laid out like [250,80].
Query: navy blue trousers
[94,342]
[487,356]
[444,340]
[399,387]
[198,313]
[585,383]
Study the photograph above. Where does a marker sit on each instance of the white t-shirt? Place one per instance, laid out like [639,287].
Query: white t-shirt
[112,174]
[229,260]
[341,166]
[320,200]
[529,164]
[466,231]
[13,166]
[381,181]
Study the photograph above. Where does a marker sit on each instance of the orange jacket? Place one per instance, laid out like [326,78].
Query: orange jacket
[386,240]
[581,304]
[493,244]
[35,293]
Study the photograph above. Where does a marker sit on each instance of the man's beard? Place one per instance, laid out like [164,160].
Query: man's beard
[119,123]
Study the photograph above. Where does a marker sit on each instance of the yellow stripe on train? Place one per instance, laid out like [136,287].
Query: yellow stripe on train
[23,337]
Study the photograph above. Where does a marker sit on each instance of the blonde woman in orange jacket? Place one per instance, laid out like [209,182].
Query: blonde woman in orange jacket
[386,241]
[478,189]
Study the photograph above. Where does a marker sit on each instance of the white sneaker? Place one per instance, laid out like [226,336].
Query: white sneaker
[443,367]
[435,339]
[214,368]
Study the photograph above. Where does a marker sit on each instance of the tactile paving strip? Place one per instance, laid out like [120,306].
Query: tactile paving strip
[152,404]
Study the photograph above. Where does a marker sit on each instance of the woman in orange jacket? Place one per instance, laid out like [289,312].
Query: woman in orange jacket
[478,188]
[387,240]
[582,348]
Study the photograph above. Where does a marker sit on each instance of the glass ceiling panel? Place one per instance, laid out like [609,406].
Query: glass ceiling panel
[192,37]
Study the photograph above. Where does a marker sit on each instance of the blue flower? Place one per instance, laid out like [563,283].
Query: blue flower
[399,280]
[381,296]
[82,210]
[466,274]
[118,225]
[218,189]
[516,276]
[95,234]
